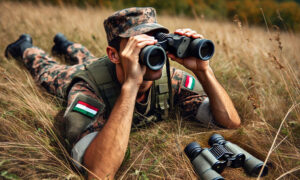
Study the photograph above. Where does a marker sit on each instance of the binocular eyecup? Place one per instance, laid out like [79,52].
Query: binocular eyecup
[154,56]
[202,49]
[216,139]
[192,150]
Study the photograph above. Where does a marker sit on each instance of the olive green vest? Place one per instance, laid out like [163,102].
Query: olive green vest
[101,76]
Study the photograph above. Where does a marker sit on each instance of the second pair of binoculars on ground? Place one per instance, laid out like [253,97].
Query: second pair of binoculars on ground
[154,56]
[210,162]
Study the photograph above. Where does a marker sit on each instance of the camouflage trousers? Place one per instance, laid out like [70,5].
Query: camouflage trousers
[49,73]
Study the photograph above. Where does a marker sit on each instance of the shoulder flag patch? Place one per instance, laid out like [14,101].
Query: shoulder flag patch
[189,82]
[86,109]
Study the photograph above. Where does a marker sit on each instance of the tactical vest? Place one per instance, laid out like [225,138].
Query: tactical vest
[101,76]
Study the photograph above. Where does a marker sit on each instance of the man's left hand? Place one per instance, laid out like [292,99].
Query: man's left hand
[192,63]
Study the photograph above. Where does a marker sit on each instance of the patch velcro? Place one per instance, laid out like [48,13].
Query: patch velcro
[85,109]
[189,82]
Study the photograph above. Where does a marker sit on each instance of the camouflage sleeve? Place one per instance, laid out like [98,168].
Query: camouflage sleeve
[190,97]
[81,88]
[84,118]
[79,54]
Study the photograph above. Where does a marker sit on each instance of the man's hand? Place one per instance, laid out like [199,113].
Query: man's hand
[191,63]
[221,105]
[133,70]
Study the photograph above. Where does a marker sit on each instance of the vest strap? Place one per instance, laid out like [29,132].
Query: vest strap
[162,93]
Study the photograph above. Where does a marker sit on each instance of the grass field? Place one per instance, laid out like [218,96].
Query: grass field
[259,67]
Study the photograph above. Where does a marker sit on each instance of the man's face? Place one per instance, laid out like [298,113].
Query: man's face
[150,75]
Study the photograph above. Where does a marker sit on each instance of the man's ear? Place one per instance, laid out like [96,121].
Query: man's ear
[113,55]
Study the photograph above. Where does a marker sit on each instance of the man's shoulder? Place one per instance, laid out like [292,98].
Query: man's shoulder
[82,87]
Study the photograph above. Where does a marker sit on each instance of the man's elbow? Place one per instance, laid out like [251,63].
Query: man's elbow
[235,125]
[233,122]
[229,121]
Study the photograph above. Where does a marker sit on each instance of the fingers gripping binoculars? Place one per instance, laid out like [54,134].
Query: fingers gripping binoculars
[154,56]
[209,163]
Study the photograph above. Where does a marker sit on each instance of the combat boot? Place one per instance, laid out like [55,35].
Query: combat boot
[61,44]
[17,48]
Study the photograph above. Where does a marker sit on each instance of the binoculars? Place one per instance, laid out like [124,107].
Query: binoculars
[209,163]
[154,56]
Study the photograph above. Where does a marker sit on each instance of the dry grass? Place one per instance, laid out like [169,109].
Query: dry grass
[259,69]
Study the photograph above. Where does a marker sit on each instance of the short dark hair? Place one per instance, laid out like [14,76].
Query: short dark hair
[115,43]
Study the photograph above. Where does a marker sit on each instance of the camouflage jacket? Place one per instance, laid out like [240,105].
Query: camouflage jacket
[100,79]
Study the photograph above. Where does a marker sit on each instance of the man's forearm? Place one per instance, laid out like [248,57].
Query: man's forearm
[106,152]
[221,105]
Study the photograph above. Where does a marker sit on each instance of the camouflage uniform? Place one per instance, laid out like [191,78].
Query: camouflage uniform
[56,77]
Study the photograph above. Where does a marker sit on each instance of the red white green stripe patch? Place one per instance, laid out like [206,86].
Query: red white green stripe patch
[85,109]
[189,82]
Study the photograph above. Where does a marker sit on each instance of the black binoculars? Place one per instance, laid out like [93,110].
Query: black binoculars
[154,56]
[209,163]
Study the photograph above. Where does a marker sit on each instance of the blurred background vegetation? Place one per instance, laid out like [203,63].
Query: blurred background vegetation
[283,13]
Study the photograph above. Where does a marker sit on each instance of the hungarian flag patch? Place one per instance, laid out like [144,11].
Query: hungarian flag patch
[86,109]
[189,82]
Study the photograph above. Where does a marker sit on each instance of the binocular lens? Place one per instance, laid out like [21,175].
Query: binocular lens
[156,58]
[206,50]
[153,56]
[202,48]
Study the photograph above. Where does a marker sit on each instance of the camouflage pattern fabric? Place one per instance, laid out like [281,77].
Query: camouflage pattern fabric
[54,77]
[189,101]
[51,75]
[79,54]
[130,22]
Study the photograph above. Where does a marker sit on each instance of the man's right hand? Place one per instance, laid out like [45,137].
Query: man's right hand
[133,70]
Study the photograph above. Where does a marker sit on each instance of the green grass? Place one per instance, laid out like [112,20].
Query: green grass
[259,69]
